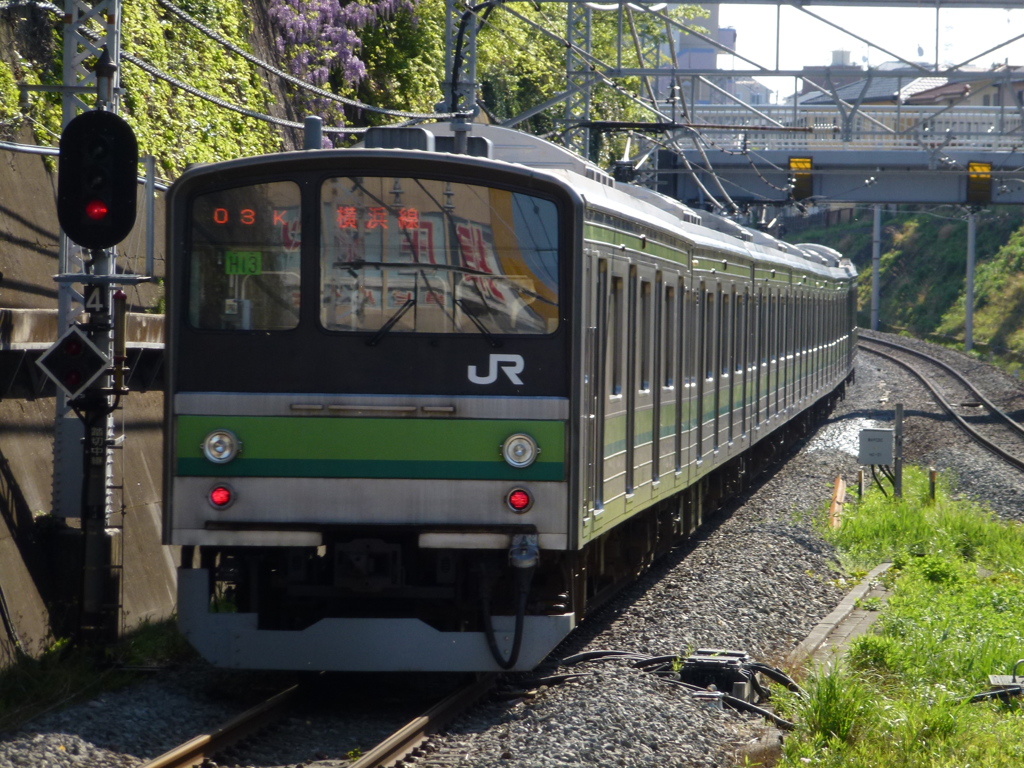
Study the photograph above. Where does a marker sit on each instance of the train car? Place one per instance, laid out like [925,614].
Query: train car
[424,408]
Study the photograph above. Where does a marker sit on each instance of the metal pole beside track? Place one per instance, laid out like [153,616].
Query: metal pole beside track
[876,259]
[897,483]
[969,297]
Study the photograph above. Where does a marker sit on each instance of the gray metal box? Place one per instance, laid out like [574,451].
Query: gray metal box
[875,446]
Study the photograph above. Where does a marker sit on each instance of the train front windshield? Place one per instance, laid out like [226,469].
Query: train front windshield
[396,254]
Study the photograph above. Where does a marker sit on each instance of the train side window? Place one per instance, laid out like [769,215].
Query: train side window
[669,337]
[737,332]
[244,257]
[688,322]
[710,335]
[644,336]
[616,333]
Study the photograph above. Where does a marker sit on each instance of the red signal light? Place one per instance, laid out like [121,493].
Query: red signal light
[221,496]
[519,500]
[96,210]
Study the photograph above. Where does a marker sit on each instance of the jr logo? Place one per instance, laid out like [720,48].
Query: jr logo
[511,365]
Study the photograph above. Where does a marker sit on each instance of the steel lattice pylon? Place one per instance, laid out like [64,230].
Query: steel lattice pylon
[577,75]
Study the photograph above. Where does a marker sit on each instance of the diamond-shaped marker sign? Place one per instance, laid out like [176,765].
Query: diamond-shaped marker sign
[73,362]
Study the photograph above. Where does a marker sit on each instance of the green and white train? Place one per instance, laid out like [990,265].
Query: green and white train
[424,408]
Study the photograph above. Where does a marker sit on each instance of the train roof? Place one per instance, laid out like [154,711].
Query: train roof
[600,189]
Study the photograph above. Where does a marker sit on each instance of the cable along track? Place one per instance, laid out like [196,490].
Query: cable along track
[995,431]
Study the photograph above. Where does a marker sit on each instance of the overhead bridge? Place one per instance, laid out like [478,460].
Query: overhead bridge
[965,177]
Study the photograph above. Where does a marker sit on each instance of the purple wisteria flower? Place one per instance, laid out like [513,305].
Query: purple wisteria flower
[320,37]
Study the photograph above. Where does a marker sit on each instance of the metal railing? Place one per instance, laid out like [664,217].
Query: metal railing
[875,127]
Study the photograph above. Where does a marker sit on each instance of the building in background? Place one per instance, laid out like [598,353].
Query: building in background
[695,53]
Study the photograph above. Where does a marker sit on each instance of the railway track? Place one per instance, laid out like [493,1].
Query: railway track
[407,739]
[403,742]
[196,750]
[977,415]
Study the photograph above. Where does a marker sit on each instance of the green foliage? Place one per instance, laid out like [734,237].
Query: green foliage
[902,696]
[9,112]
[519,67]
[999,300]
[880,528]
[175,126]
[923,273]
[404,57]
[835,706]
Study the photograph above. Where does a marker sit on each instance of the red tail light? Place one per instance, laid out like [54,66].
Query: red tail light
[519,500]
[221,496]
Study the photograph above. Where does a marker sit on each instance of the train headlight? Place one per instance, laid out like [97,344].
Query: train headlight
[519,450]
[221,446]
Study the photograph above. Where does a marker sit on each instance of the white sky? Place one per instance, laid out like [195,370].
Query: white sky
[805,41]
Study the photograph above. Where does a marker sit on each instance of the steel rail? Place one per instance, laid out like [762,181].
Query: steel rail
[980,439]
[194,751]
[412,734]
[1005,417]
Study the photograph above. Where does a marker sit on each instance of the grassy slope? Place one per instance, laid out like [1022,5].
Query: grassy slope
[923,269]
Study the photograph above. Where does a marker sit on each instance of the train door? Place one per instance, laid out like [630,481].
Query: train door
[785,347]
[717,361]
[770,361]
[729,364]
[684,377]
[703,372]
[799,349]
[592,439]
[743,357]
[631,378]
[614,416]
[657,375]
[643,438]
[778,356]
[665,448]
[809,347]
[757,373]
[808,334]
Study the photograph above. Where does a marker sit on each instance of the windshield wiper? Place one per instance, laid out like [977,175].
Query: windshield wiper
[410,302]
[491,338]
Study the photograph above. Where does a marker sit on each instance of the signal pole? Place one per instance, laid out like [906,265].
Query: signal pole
[84,424]
[79,82]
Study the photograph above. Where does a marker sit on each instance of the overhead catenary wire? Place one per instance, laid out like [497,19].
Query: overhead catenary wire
[594,62]
[223,103]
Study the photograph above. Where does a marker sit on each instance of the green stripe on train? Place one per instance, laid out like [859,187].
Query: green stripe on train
[303,446]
